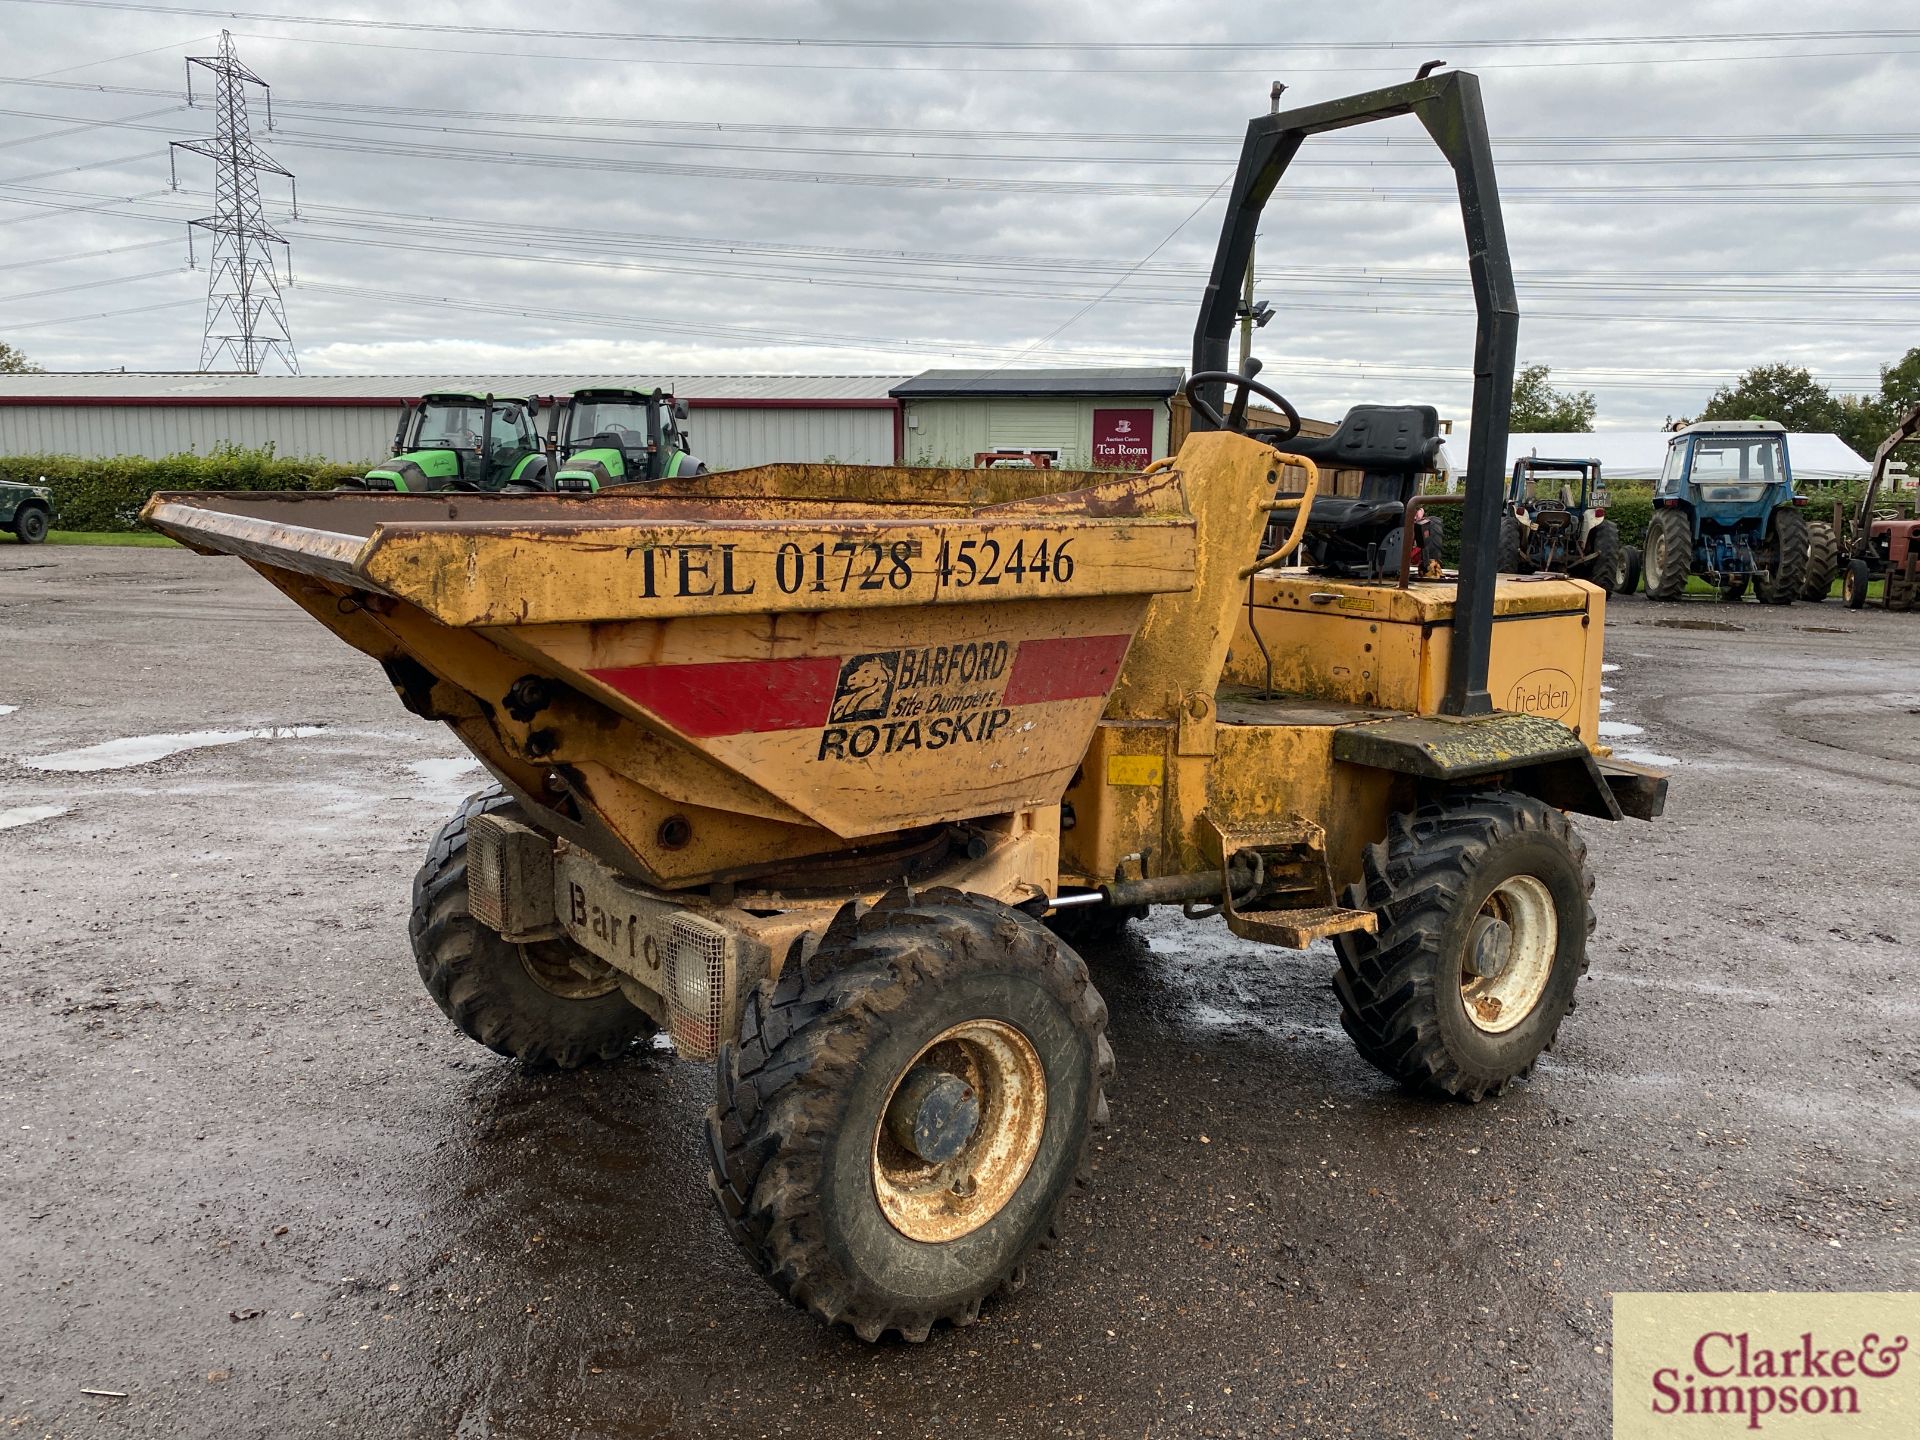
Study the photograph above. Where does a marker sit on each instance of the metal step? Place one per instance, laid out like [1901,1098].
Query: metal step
[1297,929]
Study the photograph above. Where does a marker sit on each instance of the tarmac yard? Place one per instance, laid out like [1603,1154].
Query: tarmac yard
[257,1185]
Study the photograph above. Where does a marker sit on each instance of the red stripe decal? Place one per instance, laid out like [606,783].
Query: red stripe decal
[1066,669]
[728,697]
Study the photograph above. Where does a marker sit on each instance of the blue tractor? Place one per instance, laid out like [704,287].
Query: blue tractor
[1724,508]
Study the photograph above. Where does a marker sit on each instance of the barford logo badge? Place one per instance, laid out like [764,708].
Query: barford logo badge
[866,687]
[1805,1366]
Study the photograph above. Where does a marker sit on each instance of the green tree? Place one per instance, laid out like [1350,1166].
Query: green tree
[1539,408]
[1900,385]
[1785,393]
[12,362]
[1864,422]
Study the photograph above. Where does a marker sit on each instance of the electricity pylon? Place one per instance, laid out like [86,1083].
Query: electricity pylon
[246,317]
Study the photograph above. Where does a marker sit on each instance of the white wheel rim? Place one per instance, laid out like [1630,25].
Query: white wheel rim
[1496,1004]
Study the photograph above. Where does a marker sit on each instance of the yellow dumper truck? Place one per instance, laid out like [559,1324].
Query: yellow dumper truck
[821,769]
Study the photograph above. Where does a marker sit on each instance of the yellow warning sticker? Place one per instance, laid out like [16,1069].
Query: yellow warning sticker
[1135,770]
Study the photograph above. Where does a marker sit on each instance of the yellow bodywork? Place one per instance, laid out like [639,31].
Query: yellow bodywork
[739,679]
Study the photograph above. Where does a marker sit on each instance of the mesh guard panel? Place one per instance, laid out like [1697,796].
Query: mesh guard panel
[486,871]
[699,1001]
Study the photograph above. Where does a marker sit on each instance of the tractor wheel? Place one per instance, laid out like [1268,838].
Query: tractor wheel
[1854,583]
[1669,558]
[1734,589]
[547,1004]
[1087,926]
[1604,556]
[906,1109]
[1784,570]
[1484,905]
[1511,560]
[1629,571]
[30,524]
[1823,561]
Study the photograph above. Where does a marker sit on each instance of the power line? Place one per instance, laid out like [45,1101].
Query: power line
[1001,43]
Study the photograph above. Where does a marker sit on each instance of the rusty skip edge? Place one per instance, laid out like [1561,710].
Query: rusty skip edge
[326,554]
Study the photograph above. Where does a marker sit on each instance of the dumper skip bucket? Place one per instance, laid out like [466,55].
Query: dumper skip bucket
[749,666]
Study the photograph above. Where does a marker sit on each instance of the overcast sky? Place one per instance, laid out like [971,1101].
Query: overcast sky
[511,194]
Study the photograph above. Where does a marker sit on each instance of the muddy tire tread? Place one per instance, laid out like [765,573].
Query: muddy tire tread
[1412,880]
[798,1039]
[447,950]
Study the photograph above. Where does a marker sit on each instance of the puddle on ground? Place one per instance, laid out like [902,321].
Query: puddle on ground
[1607,667]
[29,815]
[441,774]
[145,749]
[1649,757]
[8,709]
[1619,729]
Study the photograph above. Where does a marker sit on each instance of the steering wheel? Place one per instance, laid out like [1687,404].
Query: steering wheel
[1236,417]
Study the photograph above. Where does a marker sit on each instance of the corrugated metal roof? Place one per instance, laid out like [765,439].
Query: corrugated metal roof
[195,385]
[1156,380]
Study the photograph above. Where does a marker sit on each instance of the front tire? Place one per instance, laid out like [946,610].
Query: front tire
[1784,571]
[936,1002]
[1484,906]
[1823,561]
[546,1004]
[1854,583]
[30,525]
[1669,558]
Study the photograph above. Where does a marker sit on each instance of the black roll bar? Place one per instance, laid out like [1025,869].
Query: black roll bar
[1449,106]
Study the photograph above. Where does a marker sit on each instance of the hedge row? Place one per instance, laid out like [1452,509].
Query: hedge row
[107,494]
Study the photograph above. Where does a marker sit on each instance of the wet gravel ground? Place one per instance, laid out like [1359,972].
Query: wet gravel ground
[255,1182]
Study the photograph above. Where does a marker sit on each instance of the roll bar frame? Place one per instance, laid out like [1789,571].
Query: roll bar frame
[1449,106]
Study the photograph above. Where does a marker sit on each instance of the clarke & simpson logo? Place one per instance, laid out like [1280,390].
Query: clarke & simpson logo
[1800,1366]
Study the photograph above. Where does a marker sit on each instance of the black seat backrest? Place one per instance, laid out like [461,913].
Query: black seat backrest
[1400,441]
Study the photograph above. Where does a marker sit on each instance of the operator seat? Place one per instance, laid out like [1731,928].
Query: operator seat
[1392,446]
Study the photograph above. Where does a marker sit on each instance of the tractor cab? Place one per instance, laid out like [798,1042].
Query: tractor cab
[620,437]
[1724,508]
[451,440]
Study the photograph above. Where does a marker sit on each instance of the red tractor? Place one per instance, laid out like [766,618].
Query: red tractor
[1885,547]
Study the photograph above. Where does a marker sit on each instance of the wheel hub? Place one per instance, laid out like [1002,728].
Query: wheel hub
[1509,955]
[934,1114]
[960,1131]
[1489,947]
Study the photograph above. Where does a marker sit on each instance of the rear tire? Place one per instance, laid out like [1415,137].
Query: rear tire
[1448,882]
[1669,558]
[1823,562]
[829,1205]
[1901,592]
[1629,571]
[1511,560]
[30,525]
[1784,571]
[1603,556]
[1088,926]
[529,1002]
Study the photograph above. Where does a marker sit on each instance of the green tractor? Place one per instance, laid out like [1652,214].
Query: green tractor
[452,440]
[620,437]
